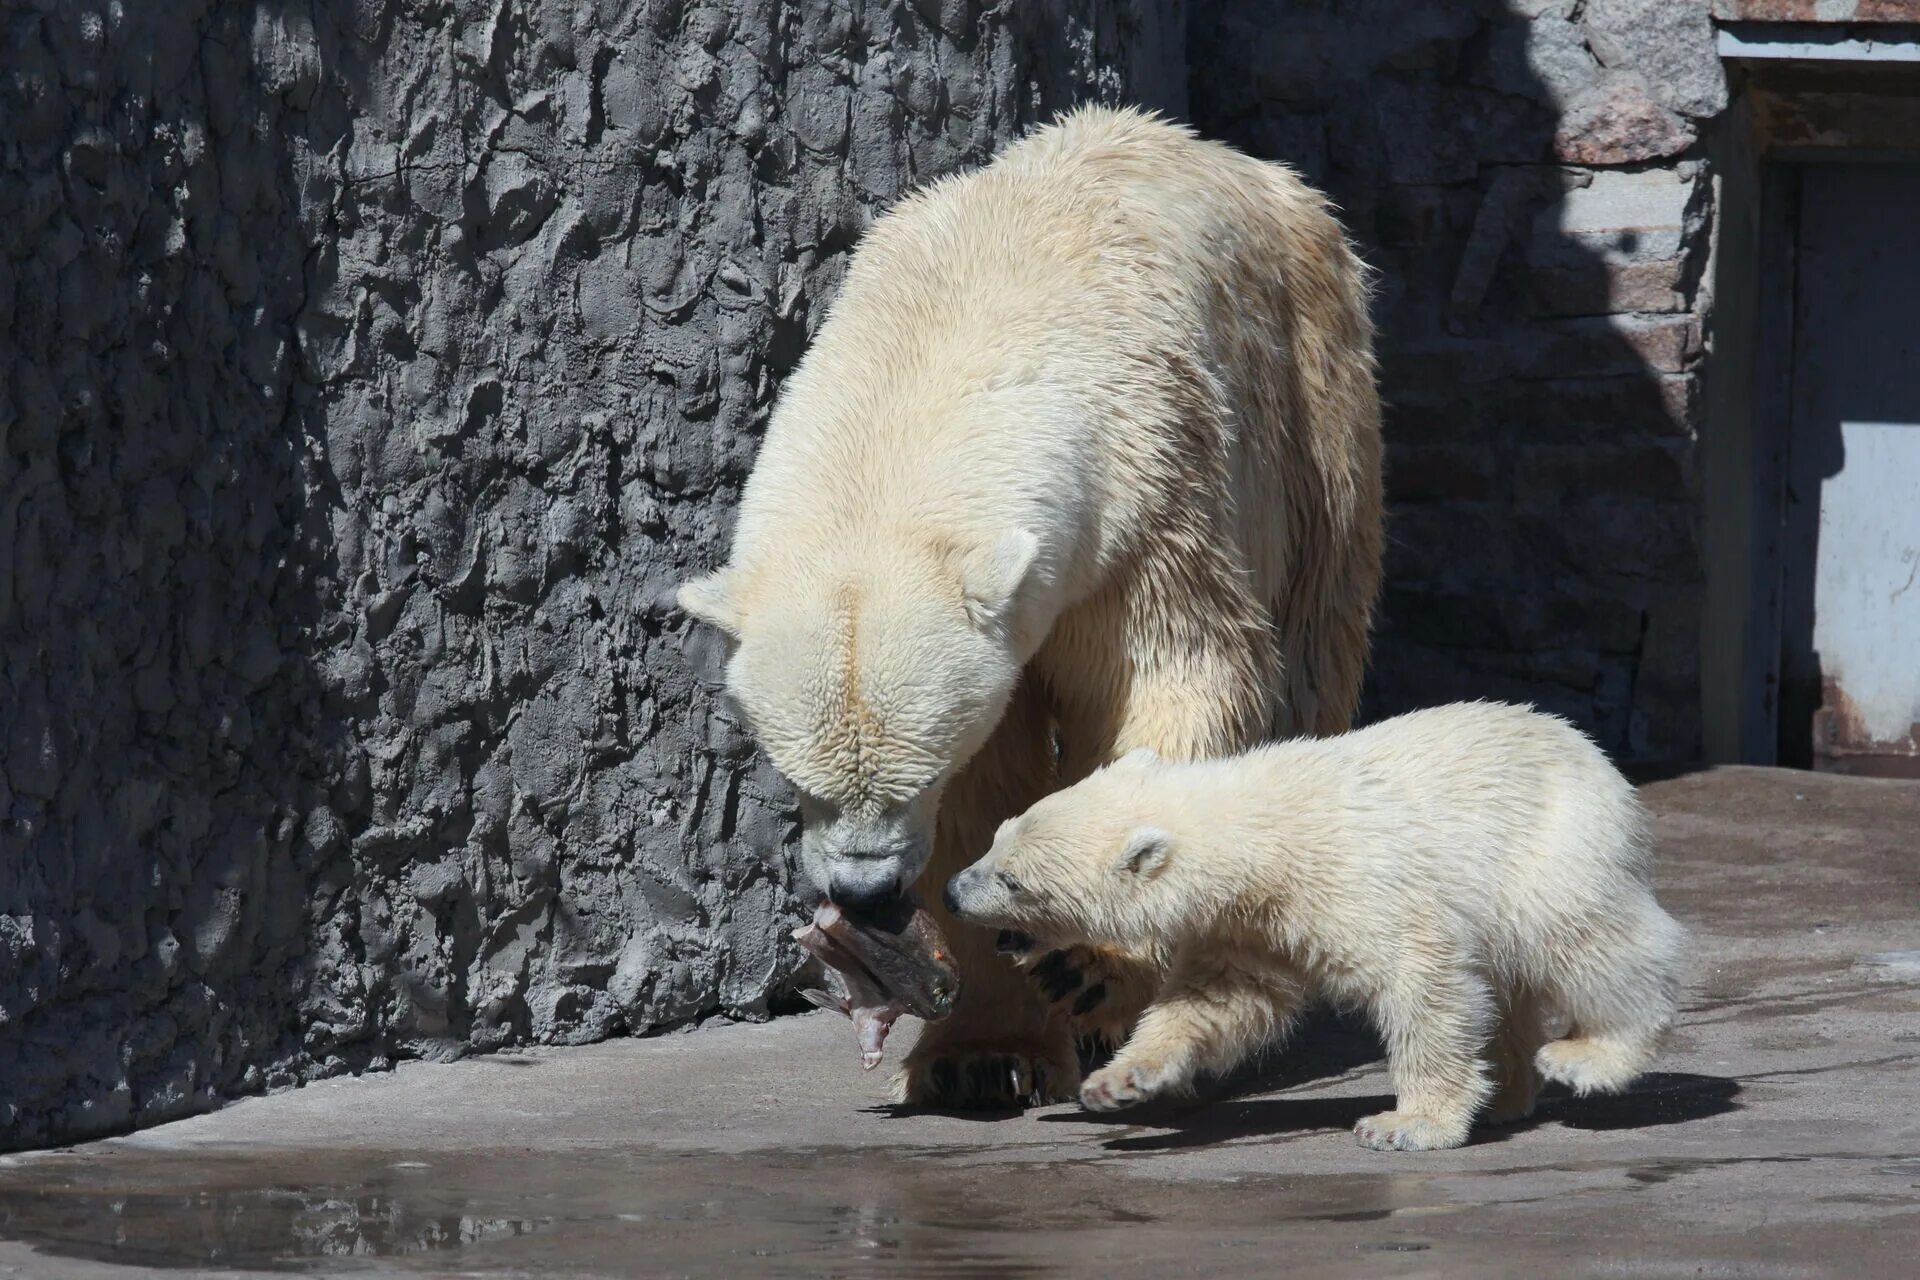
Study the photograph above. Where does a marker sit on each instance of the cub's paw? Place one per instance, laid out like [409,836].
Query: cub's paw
[1588,1066]
[1120,1085]
[1407,1131]
[983,1076]
[1512,1103]
[1098,994]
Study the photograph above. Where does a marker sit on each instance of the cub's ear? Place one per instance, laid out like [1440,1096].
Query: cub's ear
[991,577]
[710,600]
[1145,853]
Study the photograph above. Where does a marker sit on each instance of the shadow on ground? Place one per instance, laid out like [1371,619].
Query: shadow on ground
[1327,1046]
[1662,1098]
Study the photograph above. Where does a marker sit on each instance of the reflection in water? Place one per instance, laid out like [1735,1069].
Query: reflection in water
[239,1227]
[816,1212]
[894,1212]
[799,1212]
[381,1227]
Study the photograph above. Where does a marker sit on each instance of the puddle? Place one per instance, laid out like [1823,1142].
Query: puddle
[1891,966]
[829,1212]
[108,1213]
[898,1212]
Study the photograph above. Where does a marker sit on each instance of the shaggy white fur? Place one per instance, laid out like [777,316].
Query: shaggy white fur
[1087,451]
[1466,874]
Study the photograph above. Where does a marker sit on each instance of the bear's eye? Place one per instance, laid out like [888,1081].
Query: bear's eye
[1012,885]
[815,809]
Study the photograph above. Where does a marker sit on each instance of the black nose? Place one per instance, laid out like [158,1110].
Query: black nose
[949,899]
[863,893]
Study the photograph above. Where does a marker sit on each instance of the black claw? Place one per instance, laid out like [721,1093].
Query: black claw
[1012,943]
[946,1079]
[1039,1082]
[1060,986]
[1092,996]
[979,1079]
[1056,962]
[1094,1052]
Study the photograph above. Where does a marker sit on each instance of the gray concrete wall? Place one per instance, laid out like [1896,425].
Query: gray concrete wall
[369,374]
[1531,179]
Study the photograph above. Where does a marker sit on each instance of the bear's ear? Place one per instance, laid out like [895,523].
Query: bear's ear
[710,600]
[1145,853]
[991,577]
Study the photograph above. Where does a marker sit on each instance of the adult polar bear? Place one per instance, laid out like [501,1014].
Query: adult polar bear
[1086,457]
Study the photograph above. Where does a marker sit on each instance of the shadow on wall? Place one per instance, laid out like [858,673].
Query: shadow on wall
[161,570]
[1528,182]
[342,387]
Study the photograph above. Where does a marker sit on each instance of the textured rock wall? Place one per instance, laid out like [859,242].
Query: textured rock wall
[369,374]
[1529,179]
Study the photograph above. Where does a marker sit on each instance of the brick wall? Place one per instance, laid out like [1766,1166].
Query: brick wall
[1530,183]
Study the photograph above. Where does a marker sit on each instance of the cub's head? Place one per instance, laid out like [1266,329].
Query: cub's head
[1089,864]
[870,677]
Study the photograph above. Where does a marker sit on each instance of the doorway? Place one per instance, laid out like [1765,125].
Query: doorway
[1849,604]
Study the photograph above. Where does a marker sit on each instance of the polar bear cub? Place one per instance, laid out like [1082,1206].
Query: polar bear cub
[1472,875]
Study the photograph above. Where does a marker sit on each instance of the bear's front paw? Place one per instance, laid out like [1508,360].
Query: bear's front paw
[988,1076]
[1120,1085]
[1098,994]
[1407,1131]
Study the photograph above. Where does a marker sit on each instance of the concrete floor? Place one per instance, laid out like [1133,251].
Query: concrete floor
[1778,1137]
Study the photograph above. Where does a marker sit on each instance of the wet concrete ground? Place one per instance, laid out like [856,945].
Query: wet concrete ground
[1778,1137]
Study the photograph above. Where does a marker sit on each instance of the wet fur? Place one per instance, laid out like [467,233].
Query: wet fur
[1087,451]
[1471,875]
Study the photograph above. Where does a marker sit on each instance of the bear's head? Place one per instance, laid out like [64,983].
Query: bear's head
[1092,864]
[870,675]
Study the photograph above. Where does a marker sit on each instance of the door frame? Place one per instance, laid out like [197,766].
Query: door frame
[1761,154]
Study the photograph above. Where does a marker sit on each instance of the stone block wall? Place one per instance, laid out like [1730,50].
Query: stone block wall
[1529,180]
[369,374]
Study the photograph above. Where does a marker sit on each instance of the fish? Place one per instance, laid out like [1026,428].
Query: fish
[877,966]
